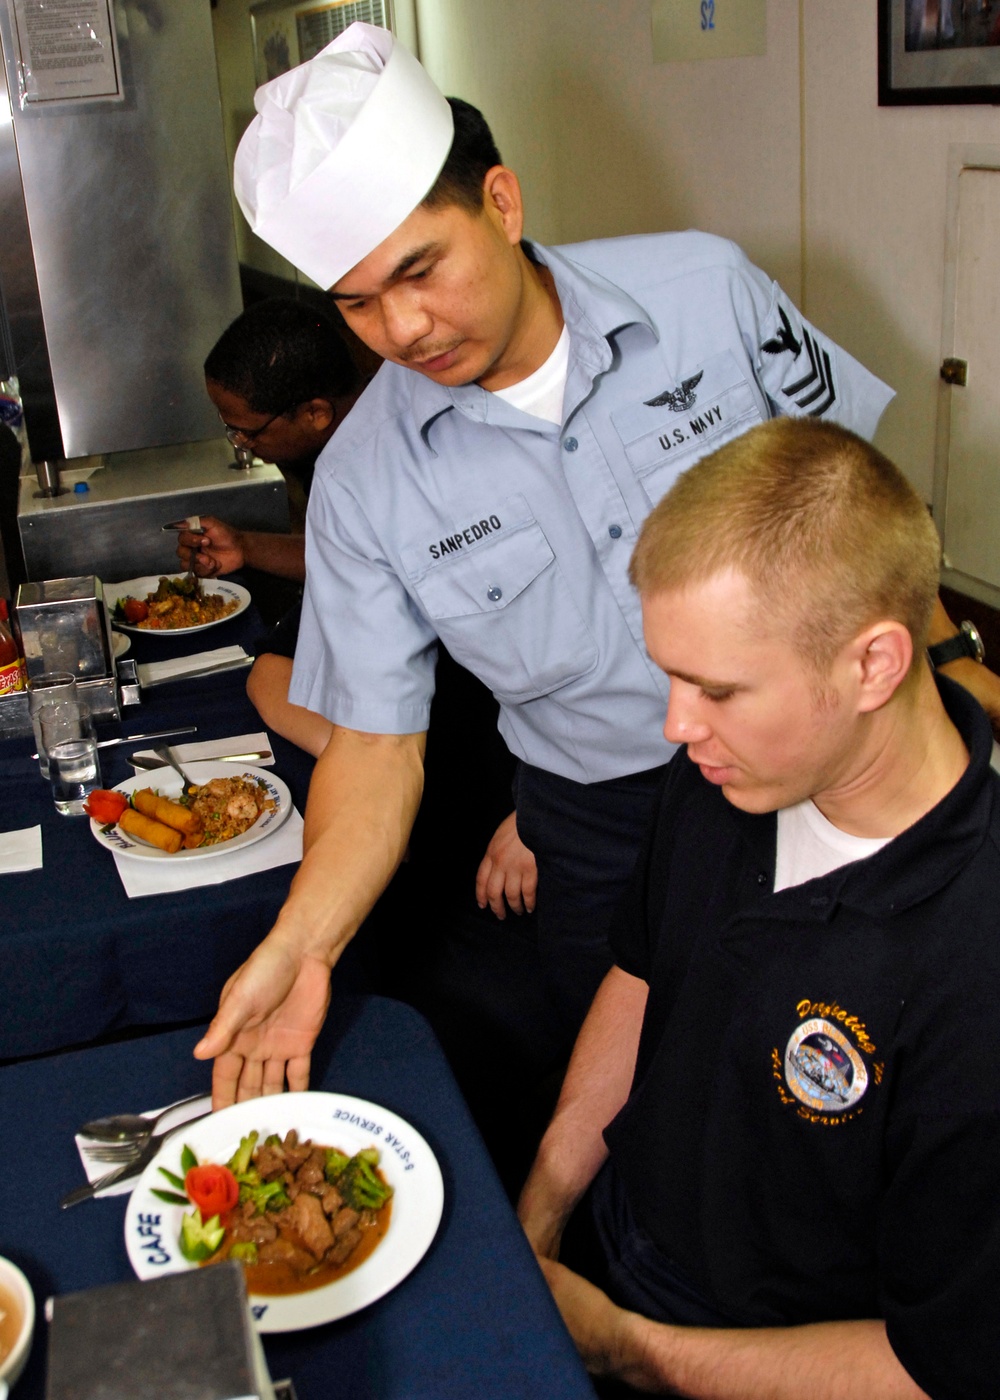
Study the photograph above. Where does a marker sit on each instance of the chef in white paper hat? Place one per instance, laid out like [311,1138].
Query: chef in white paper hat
[343,148]
[394,198]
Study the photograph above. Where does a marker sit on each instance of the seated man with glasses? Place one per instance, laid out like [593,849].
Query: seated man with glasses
[281,378]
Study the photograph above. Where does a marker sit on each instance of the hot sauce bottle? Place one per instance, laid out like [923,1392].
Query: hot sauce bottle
[12,672]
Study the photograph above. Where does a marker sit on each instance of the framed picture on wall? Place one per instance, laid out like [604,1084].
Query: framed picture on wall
[938,51]
[289,32]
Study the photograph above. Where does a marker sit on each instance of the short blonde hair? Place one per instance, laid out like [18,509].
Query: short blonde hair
[829,534]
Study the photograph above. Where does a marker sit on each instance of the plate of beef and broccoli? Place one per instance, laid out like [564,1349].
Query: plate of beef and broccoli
[327,1200]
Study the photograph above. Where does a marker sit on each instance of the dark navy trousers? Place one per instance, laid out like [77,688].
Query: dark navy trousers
[586,838]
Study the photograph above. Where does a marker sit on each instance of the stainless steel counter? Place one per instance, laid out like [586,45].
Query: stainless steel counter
[113,528]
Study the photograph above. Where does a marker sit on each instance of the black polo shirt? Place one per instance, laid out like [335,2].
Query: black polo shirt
[814,1128]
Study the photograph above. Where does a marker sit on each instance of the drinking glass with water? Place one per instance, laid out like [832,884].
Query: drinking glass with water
[69,740]
[49,688]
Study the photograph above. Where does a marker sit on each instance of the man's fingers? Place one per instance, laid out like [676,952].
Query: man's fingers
[273,1078]
[494,892]
[513,892]
[529,890]
[207,565]
[251,1084]
[297,1071]
[225,1078]
[221,1033]
[482,876]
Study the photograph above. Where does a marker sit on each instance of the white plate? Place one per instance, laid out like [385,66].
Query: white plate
[152,1227]
[120,644]
[139,587]
[168,784]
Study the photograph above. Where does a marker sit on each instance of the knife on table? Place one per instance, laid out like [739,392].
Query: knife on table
[147,764]
[239,664]
[137,738]
[130,1169]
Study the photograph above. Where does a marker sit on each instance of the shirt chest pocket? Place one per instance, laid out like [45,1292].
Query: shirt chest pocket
[504,610]
[709,406]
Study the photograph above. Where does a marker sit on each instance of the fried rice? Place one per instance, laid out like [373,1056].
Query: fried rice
[227,807]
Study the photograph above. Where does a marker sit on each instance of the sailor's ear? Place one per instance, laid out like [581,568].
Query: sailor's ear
[502,199]
[882,653]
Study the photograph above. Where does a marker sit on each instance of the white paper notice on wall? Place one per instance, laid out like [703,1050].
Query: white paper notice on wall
[686,29]
[67,51]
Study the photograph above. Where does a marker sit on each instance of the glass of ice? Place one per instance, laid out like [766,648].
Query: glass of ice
[69,740]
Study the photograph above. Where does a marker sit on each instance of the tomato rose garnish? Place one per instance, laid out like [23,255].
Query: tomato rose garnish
[213,1189]
[135,610]
[105,806]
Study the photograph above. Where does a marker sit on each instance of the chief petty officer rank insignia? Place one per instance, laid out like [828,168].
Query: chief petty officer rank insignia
[827,1066]
[809,382]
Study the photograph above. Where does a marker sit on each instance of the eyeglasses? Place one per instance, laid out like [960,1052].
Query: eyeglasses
[248,435]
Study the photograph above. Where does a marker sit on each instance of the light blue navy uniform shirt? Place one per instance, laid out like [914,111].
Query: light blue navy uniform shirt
[447,513]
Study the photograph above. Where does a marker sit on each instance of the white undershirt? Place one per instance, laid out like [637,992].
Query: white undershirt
[541,394]
[810,846]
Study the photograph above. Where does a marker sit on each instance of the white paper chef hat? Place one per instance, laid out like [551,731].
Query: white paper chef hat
[343,149]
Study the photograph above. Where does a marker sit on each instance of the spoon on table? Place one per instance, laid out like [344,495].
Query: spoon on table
[166,753]
[120,1127]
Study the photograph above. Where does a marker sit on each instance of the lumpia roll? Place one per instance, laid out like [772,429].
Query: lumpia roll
[136,824]
[161,809]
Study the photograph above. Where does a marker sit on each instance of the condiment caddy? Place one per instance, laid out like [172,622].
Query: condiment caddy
[63,625]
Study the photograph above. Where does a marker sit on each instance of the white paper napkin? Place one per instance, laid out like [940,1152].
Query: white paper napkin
[142,877]
[20,850]
[94,1170]
[156,672]
[219,748]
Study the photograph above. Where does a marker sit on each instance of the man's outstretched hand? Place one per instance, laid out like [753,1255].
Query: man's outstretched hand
[270,1013]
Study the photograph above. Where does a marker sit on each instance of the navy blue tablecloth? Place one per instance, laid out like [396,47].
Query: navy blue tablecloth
[474,1318]
[78,958]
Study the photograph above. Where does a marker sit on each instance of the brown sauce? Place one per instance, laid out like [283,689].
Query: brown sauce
[11,1318]
[278,1278]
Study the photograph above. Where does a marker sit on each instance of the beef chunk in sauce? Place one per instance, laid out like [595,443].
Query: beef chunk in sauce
[310,1173]
[283,1251]
[304,1223]
[344,1247]
[270,1162]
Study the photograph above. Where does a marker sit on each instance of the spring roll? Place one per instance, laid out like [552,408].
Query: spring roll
[136,824]
[171,814]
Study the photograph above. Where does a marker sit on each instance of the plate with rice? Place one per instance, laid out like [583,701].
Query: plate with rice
[235,806]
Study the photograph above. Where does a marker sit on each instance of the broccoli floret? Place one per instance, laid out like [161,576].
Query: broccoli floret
[240,1161]
[245,1250]
[335,1164]
[270,1195]
[358,1183]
